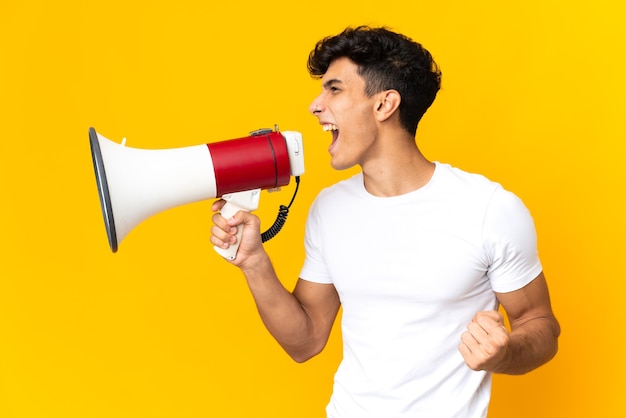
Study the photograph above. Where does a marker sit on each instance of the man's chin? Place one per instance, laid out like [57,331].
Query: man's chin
[340,165]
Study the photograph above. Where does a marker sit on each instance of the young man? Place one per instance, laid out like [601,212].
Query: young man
[418,254]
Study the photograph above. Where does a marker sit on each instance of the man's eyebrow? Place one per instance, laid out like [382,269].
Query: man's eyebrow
[328,84]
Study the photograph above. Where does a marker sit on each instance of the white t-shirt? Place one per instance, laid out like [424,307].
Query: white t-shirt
[411,271]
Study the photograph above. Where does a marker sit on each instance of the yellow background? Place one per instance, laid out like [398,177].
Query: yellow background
[533,97]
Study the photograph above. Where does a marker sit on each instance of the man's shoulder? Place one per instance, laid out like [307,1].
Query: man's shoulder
[452,173]
[352,184]
[461,182]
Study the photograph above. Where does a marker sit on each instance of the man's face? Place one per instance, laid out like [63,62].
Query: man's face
[347,113]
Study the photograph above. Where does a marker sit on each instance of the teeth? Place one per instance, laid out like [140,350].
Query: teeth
[329,127]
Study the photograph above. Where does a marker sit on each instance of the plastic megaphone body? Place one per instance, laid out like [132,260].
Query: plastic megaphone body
[134,184]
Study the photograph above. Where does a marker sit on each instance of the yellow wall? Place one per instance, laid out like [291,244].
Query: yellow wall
[534,97]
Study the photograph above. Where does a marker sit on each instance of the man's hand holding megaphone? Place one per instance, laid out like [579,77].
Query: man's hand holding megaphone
[243,229]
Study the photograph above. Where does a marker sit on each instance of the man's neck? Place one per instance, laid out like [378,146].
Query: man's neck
[397,171]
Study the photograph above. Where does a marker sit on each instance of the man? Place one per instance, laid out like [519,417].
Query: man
[418,254]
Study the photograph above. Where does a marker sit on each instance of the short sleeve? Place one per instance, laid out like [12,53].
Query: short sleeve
[314,268]
[510,239]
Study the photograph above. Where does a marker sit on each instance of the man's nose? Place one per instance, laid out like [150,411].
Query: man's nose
[315,107]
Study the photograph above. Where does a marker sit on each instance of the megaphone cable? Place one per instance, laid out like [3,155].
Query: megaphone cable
[281,218]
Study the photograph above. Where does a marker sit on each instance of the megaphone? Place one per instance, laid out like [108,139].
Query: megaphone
[135,184]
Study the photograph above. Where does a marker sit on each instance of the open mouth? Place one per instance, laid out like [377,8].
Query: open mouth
[333,129]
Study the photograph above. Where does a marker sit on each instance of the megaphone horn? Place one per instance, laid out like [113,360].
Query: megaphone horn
[134,184]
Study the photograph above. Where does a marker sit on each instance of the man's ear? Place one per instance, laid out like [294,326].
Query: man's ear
[387,104]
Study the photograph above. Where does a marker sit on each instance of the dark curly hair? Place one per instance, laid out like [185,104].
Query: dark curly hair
[386,60]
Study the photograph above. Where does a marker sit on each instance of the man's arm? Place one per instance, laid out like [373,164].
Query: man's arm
[301,320]
[533,340]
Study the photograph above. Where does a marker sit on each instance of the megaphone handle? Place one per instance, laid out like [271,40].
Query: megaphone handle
[247,201]
[231,252]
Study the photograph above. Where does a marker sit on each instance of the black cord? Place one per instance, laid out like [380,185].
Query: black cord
[281,218]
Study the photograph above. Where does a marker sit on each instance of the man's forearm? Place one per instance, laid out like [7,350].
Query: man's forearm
[280,310]
[531,345]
